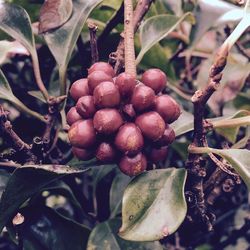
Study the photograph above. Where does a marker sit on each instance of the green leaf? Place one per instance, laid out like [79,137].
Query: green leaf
[54,13]
[15,21]
[104,236]
[118,186]
[7,94]
[45,229]
[153,205]
[62,41]
[25,182]
[156,28]
[38,95]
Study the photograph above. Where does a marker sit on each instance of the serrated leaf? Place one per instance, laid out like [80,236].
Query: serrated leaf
[156,28]
[54,13]
[45,229]
[153,205]
[15,21]
[25,182]
[104,237]
[62,41]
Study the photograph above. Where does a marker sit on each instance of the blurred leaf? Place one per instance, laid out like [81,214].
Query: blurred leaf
[15,21]
[114,4]
[153,205]
[156,28]
[104,237]
[7,94]
[242,101]
[25,182]
[4,177]
[54,13]
[62,41]
[45,229]
[119,184]
[37,94]
[243,141]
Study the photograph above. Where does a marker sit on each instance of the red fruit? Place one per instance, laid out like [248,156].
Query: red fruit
[151,124]
[106,152]
[73,116]
[96,77]
[107,121]
[102,66]
[82,154]
[79,88]
[168,108]
[155,79]
[82,134]
[126,84]
[167,138]
[143,98]
[158,154]
[85,106]
[133,165]
[129,139]
[106,95]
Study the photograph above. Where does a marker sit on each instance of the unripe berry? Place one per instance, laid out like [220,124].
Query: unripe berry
[106,95]
[97,77]
[155,79]
[133,165]
[73,116]
[143,98]
[129,139]
[167,138]
[85,106]
[82,154]
[79,88]
[107,121]
[168,108]
[151,124]
[82,134]
[102,66]
[106,152]
[126,84]
[158,154]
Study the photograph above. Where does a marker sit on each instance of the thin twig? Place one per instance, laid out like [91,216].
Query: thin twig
[93,42]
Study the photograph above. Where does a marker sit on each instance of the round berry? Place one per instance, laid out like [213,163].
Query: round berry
[126,84]
[82,154]
[167,138]
[79,88]
[158,154]
[85,106]
[102,66]
[73,116]
[97,77]
[106,152]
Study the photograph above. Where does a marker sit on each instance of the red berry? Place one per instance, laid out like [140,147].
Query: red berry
[143,98]
[106,95]
[102,66]
[168,108]
[151,124]
[155,79]
[107,121]
[73,116]
[79,88]
[97,77]
[85,106]
[133,165]
[82,154]
[126,84]
[129,139]
[158,154]
[167,138]
[106,152]
[82,134]
[129,112]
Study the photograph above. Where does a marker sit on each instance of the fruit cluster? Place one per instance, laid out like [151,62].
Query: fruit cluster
[119,119]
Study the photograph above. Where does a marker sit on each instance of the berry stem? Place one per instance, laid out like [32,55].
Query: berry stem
[130,67]
[93,42]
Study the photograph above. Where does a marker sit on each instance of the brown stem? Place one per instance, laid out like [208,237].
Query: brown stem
[141,9]
[93,42]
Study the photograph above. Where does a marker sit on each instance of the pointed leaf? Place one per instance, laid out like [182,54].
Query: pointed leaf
[25,182]
[45,229]
[156,28]
[104,236]
[54,13]
[153,205]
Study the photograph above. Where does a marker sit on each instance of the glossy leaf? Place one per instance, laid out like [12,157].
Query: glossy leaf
[54,13]
[25,182]
[153,205]
[104,236]
[156,28]
[62,41]
[45,229]
[7,94]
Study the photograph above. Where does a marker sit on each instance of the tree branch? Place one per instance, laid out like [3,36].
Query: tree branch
[93,42]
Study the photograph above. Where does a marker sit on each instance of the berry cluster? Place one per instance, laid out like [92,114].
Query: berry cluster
[119,119]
